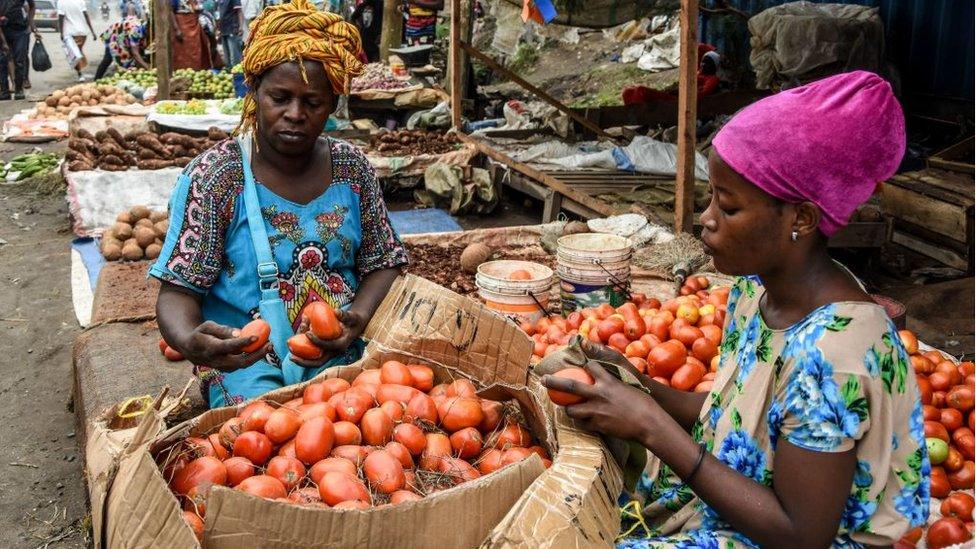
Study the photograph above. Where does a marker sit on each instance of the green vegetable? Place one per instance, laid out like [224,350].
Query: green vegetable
[938,450]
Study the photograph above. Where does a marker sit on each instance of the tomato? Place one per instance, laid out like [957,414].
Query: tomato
[383,471]
[289,471]
[403,496]
[938,450]
[461,388]
[371,376]
[346,433]
[965,445]
[260,330]
[254,446]
[579,375]
[319,409]
[961,397]
[931,413]
[713,334]
[954,461]
[336,488]
[515,455]
[659,326]
[511,435]
[351,505]
[687,376]
[466,443]
[306,496]
[203,470]
[704,387]
[396,372]
[355,454]
[336,385]
[230,430]
[703,349]
[604,310]
[639,363]
[195,523]
[959,505]
[608,327]
[302,347]
[637,349]
[688,312]
[490,461]
[667,357]
[934,429]
[967,368]
[456,413]
[421,407]
[458,469]
[322,320]
[971,421]
[314,440]
[172,354]
[909,340]
[493,412]
[964,478]
[960,433]
[940,483]
[945,532]
[397,393]
[411,436]
[337,464]
[939,399]
[940,381]
[618,342]
[922,365]
[520,274]
[282,425]
[687,335]
[913,535]
[950,369]
[352,404]
[634,325]
[438,448]
[377,427]
[400,452]
[423,377]
[951,417]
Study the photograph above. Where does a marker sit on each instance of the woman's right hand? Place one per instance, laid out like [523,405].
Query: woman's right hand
[220,347]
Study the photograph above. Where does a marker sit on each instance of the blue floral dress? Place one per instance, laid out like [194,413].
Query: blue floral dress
[323,250]
[836,380]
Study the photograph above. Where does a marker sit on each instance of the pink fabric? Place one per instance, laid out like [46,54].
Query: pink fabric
[830,142]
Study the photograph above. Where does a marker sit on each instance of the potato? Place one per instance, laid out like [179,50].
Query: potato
[144,222]
[144,236]
[139,212]
[108,239]
[123,231]
[124,217]
[161,227]
[64,101]
[132,251]
[157,216]
[152,251]
[112,251]
[473,256]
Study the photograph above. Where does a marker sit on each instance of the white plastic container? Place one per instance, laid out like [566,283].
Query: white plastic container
[520,300]
[593,268]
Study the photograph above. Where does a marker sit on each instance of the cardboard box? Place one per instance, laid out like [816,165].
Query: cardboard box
[573,503]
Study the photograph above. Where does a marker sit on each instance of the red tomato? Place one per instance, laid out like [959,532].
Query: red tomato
[945,532]
[319,409]
[638,363]
[950,369]
[421,407]
[511,435]
[288,470]
[951,417]
[659,326]
[336,385]
[350,405]
[230,430]
[337,464]
[322,320]
[238,469]
[961,397]
[203,470]
[940,381]
[939,399]
[196,524]
[610,326]
[260,330]
[637,349]
[940,483]
[411,436]
[959,505]
[423,377]
[490,461]
[934,429]
[493,411]
[383,471]
[393,371]
[438,448]
[909,340]
[461,388]
[254,446]
[515,455]
[314,440]
[355,454]
[962,479]
[403,496]
[282,425]
[618,341]
[667,357]
[931,413]
[703,349]
[336,488]
[467,442]
[459,470]
[346,433]
[172,354]
[302,347]
[255,415]
[263,486]
[400,452]
[687,377]
[922,365]
[306,496]
[704,387]
[456,413]
[377,427]
[316,392]
[577,374]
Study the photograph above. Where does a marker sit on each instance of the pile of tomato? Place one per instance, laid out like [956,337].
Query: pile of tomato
[675,342]
[389,437]
[947,390]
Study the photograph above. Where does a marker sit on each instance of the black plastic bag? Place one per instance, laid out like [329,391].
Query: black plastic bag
[40,61]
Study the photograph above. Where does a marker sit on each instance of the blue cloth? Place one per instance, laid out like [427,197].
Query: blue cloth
[91,257]
[423,221]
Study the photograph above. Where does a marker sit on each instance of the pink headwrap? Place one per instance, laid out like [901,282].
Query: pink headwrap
[830,142]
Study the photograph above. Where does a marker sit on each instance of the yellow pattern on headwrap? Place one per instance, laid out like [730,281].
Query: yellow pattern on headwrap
[294,31]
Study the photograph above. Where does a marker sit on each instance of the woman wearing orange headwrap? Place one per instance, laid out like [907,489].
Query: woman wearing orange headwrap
[265,224]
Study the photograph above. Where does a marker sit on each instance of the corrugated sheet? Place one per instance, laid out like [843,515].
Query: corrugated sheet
[930,42]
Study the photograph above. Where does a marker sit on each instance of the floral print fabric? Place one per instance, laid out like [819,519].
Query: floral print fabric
[121,37]
[836,380]
[323,249]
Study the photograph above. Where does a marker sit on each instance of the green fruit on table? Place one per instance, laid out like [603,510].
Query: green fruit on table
[938,450]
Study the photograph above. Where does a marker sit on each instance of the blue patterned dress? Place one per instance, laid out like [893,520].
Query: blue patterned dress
[323,250]
[836,380]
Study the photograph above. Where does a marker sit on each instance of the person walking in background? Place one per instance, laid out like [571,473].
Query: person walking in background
[421,27]
[16,23]
[125,42]
[250,9]
[190,45]
[368,18]
[74,23]
[230,24]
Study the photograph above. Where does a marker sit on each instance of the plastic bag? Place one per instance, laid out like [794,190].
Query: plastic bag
[40,61]
[71,51]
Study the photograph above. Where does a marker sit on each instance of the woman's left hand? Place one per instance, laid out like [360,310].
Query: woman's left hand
[353,324]
[611,407]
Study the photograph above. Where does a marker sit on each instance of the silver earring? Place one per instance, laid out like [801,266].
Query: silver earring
[794,235]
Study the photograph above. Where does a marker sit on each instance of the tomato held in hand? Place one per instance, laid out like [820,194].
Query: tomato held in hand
[576,374]
[322,320]
[302,347]
[260,330]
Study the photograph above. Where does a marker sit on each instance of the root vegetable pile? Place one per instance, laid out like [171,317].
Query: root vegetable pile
[377,76]
[390,437]
[138,233]
[413,142]
[947,390]
[442,264]
[111,151]
[60,102]
[675,342]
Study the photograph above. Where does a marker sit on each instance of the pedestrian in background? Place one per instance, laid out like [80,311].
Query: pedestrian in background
[251,9]
[230,24]
[16,22]
[75,24]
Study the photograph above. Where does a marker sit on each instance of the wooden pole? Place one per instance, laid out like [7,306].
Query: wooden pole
[391,35]
[684,191]
[454,64]
[161,51]
[467,25]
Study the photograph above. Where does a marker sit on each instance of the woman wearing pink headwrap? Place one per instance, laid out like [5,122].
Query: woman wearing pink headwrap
[812,434]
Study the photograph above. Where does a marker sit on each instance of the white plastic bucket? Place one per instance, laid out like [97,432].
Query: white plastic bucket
[520,300]
[593,268]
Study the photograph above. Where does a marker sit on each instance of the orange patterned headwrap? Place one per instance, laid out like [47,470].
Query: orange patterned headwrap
[292,32]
